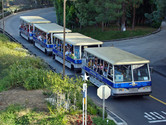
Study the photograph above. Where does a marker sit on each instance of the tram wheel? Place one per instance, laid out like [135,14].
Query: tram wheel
[53,56]
[72,67]
[45,51]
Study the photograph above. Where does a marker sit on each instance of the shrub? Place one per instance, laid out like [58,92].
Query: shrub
[100,121]
[18,115]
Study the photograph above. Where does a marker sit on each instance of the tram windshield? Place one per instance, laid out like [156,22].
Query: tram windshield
[141,72]
[123,73]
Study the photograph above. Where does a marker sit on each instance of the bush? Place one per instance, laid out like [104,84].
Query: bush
[100,121]
[19,68]
[18,115]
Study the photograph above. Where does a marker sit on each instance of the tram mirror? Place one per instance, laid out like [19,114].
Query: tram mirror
[151,69]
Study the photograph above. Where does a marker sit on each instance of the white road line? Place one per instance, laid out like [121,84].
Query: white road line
[159,115]
[157,121]
[163,112]
[155,115]
[149,116]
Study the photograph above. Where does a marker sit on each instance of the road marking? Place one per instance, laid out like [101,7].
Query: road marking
[155,117]
[157,99]
[149,116]
[163,112]
[157,121]
[159,115]
[152,113]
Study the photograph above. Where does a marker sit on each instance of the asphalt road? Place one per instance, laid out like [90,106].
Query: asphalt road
[134,110]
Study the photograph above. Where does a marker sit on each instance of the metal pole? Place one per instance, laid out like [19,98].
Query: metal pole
[103,102]
[86,104]
[3,17]
[64,26]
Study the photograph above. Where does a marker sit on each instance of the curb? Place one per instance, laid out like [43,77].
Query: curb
[112,116]
[159,73]
[115,118]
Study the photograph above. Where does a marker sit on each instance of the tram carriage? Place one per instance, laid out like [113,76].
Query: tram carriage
[27,25]
[43,36]
[75,45]
[123,72]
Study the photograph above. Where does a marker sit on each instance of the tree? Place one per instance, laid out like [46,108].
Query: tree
[107,11]
[155,18]
[135,4]
[70,12]
[85,12]
[123,20]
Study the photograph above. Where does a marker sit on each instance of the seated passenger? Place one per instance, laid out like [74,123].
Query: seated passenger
[90,63]
[72,55]
[105,73]
[67,53]
[49,40]
[95,66]
[101,69]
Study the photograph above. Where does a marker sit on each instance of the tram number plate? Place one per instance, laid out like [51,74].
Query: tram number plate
[133,90]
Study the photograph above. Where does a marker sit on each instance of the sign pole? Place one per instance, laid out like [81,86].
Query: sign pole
[83,112]
[86,105]
[84,115]
[103,101]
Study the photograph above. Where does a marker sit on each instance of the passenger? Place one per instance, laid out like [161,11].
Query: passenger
[39,37]
[90,63]
[72,55]
[95,66]
[67,53]
[105,73]
[101,69]
[49,40]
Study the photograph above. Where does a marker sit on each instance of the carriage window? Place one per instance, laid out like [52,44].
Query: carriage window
[123,73]
[110,72]
[77,52]
[140,72]
[90,61]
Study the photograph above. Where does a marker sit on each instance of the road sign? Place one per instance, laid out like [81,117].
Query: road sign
[107,91]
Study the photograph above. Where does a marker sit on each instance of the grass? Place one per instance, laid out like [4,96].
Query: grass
[19,115]
[19,68]
[113,33]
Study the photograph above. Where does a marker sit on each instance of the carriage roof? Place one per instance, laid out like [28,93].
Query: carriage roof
[78,39]
[116,56]
[51,28]
[34,19]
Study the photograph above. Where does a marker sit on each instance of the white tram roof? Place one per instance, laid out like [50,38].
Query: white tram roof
[34,19]
[78,39]
[51,28]
[116,56]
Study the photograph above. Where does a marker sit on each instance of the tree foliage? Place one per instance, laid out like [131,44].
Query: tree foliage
[70,12]
[155,18]
[104,12]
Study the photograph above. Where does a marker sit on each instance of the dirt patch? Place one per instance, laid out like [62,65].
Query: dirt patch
[30,99]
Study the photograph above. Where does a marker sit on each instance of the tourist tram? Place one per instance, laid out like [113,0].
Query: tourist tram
[27,25]
[123,72]
[75,45]
[43,36]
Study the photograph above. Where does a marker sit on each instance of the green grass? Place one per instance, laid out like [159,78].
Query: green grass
[99,121]
[19,115]
[113,33]
[18,67]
